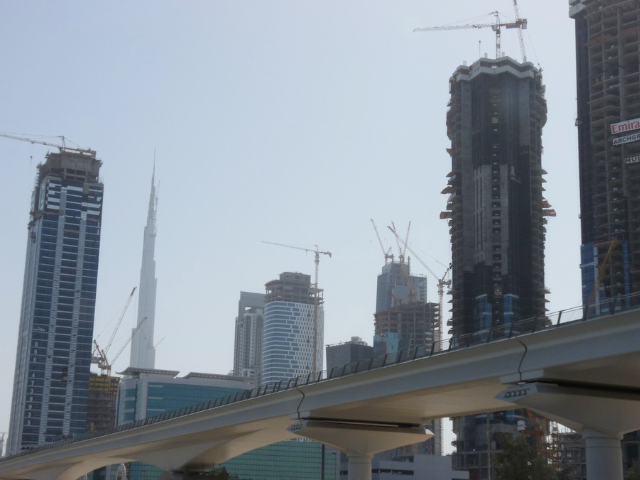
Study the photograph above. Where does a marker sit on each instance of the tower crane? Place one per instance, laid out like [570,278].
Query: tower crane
[387,253]
[133,334]
[441,280]
[316,300]
[99,355]
[519,23]
[62,146]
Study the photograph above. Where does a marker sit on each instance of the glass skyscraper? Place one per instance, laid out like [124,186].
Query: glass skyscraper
[289,334]
[51,381]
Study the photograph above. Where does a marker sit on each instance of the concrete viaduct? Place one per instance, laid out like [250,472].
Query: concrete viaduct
[585,374]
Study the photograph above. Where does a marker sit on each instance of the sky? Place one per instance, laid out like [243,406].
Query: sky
[287,121]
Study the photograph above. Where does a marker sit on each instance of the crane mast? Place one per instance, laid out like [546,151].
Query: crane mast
[316,298]
[99,355]
[387,253]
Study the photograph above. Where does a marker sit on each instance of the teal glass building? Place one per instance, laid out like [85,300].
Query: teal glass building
[147,393]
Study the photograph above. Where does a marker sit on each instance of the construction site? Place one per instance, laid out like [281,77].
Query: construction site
[609,155]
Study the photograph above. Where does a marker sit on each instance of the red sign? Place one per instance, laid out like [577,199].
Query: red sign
[625,126]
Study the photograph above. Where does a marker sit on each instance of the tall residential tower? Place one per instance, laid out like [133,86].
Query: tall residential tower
[495,205]
[143,352]
[51,382]
[247,354]
[608,88]
[496,216]
[288,341]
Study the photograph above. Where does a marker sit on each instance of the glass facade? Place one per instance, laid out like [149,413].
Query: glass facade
[293,460]
[148,393]
[288,341]
[51,381]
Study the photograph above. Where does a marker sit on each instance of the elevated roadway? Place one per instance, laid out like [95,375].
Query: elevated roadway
[585,374]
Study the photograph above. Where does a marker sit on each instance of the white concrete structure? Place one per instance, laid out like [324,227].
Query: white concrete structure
[143,353]
[585,374]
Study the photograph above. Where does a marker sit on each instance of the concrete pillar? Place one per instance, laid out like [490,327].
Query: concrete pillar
[604,455]
[359,466]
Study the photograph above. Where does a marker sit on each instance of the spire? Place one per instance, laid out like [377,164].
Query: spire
[142,350]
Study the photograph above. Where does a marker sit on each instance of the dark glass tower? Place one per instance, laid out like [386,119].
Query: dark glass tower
[496,213]
[608,88]
[51,381]
[495,207]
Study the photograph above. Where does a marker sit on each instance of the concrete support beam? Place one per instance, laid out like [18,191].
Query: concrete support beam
[601,416]
[604,455]
[360,440]
[359,466]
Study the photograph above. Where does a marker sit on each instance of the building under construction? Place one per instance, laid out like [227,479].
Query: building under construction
[402,309]
[608,90]
[102,402]
[496,214]
[415,323]
[291,287]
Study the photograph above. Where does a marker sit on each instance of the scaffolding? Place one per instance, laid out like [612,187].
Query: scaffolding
[101,405]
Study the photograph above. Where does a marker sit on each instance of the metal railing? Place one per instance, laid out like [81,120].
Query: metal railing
[495,334]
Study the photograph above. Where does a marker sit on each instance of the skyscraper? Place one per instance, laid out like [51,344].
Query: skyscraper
[51,380]
[397,286]
[495,207]
[608,88]
[247,355]
[496,216]
[143,352]
[288,337]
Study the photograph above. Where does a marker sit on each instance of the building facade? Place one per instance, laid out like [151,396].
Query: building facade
[102,403]
[247,354]
[396,286]
[495,208]
[143,352]
[346,353]
[608,121]
[289,331]
[496,214]
[51,380]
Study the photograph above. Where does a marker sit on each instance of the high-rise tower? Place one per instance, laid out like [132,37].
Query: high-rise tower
[247,355]
[608,88]
[51,380]
[287,349]
[143,353]
[495,207]
[496,216]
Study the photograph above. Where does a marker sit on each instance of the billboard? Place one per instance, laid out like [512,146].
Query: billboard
[634,137]
[626,126]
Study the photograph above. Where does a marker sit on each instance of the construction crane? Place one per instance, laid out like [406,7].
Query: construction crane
[602,271]
[520,35]
[63,146]
[99,355]
[133,334]
[441,280]
[519,23]
[387,253]
[316,300]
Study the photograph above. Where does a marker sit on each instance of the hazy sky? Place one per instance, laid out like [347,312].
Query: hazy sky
[287,121]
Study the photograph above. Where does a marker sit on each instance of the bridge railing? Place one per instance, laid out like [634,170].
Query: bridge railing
[497,333]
